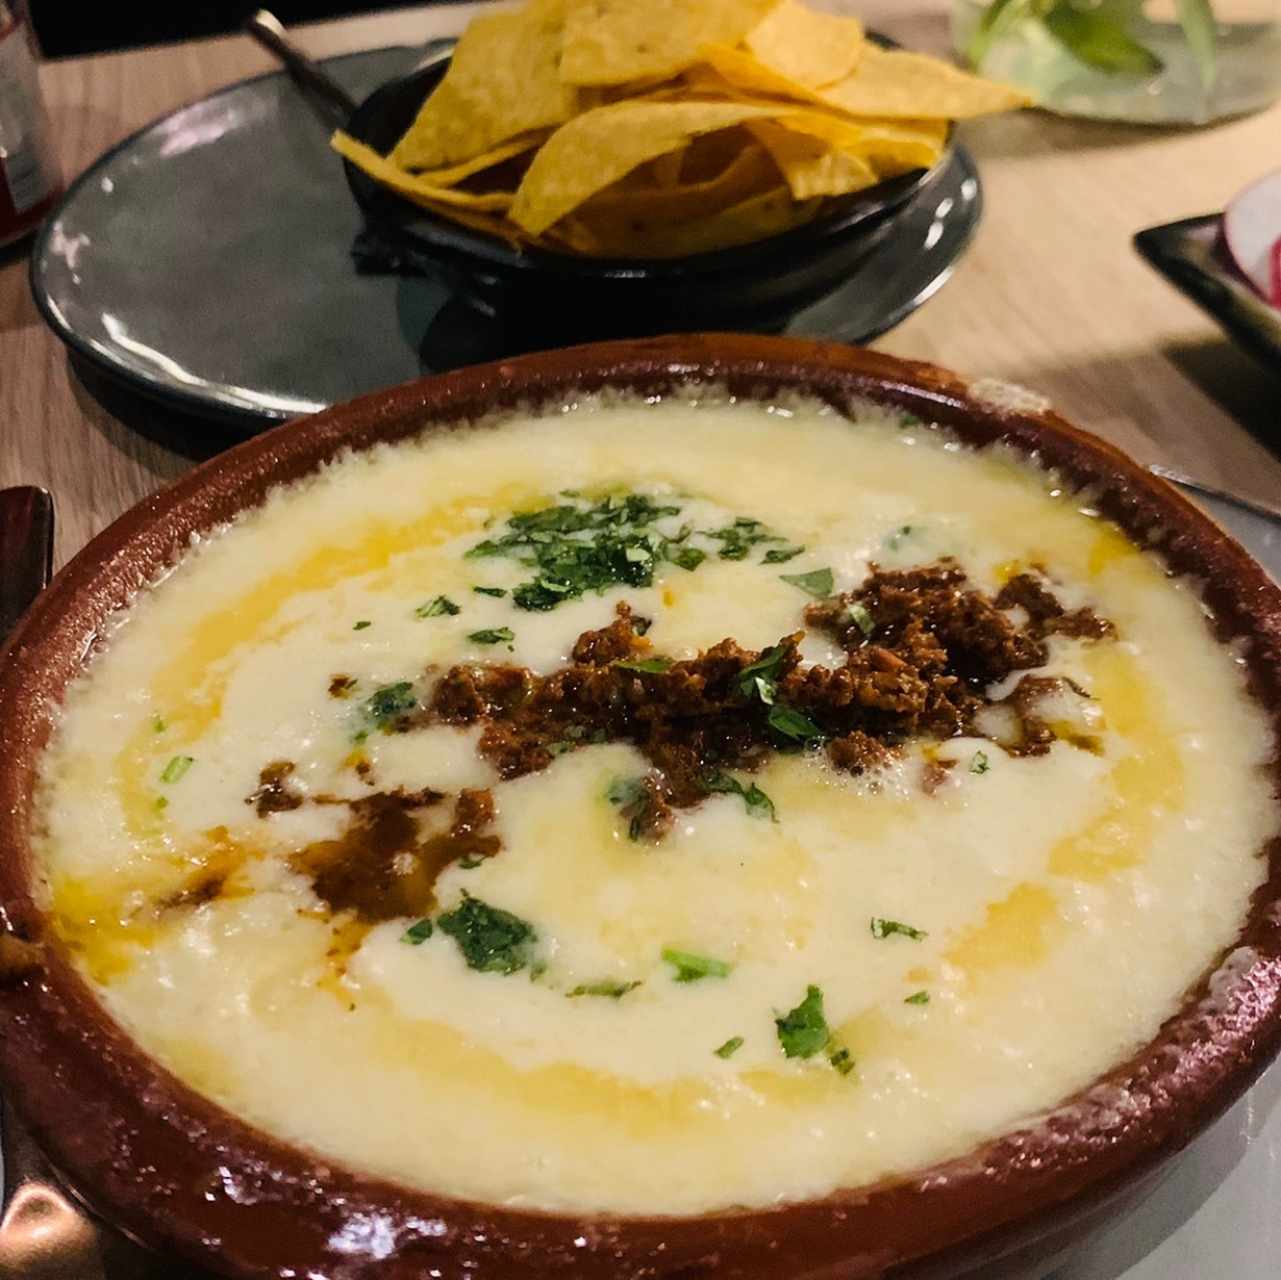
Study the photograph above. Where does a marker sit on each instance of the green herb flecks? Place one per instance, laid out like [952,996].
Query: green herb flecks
[161,803]
[739,538]
[888,928]
[361,625]
[158,724]
[417,933]
[691,967]
[900,535]
[609,987]
[176,769]
[387,704]
[635,800]
[688,558]
[645,666]
[493,635]
[759,805]
[730,1047]
[760,678]
[842,1061]
[793,724]
[497,592]
[918,997]
[862,618]
[980,763]
[781,555]
[818,582]
[803,1031]
[441,606]
[576,547]
[490,939]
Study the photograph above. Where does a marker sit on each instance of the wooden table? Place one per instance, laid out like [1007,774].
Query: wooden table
[1051,294]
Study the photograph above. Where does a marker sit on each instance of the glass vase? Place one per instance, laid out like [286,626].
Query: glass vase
[1151,61]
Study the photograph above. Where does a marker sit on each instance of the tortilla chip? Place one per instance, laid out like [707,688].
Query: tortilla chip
[478,164]
[886,83]
[807,45]
[811,166]
[765,214]
[667,168]
[611,42]
[503,81]
[416,186]
[891,82]
[751,172]
[890,146]
[744,72]
[597,148]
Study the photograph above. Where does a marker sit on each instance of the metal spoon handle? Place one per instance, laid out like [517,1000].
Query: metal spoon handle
[268,31]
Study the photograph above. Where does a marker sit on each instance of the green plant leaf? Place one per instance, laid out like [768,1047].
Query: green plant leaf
[1196,17]
[997,18]
[1099,40]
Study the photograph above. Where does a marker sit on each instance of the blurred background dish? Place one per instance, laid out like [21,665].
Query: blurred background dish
[161,269]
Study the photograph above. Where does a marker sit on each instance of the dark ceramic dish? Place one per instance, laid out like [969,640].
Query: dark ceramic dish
[754,286]
[176,1171]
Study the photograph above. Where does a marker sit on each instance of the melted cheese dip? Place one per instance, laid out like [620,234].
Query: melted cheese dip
[1064,903]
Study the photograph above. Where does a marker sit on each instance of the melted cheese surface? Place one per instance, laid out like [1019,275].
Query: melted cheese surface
[1066,901]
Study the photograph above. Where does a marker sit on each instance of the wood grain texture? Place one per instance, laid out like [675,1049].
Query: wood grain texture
[1051,295]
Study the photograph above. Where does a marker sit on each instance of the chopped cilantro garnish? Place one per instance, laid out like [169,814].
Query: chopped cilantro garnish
[162,802]
[690,967]
[576,547]
[842,1061]
[793,724]
[730,1047]
[493,635]
[635,800]
[980,763]
[739,538]
[895,539]
[803,1031]
[361,625]
[781,555]
[610,987]
[760,678]
[470,862]
[490,591]
[177,768]
[440,606]
[647,666]
[686,557]
[759,805]
[491,940]
[158,724]
[909,420]
[861,618]
[418,933]
[388,703]
[818,582]
[887,928]
[918,997]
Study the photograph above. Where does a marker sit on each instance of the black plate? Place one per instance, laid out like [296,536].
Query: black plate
[1191,256]
[206,263]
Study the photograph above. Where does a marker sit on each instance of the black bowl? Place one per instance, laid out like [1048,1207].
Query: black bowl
[562,296]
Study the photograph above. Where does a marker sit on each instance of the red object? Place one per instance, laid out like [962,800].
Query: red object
[29,178]
[1274,290]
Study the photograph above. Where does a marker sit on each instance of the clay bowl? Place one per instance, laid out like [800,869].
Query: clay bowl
[176,1172]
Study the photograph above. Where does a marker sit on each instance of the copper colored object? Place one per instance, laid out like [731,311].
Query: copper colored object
[176,1171]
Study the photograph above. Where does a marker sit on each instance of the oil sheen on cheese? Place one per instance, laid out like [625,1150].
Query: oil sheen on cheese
[1064,903]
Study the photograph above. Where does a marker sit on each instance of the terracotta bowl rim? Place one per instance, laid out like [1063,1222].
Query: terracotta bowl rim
[174,1170]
